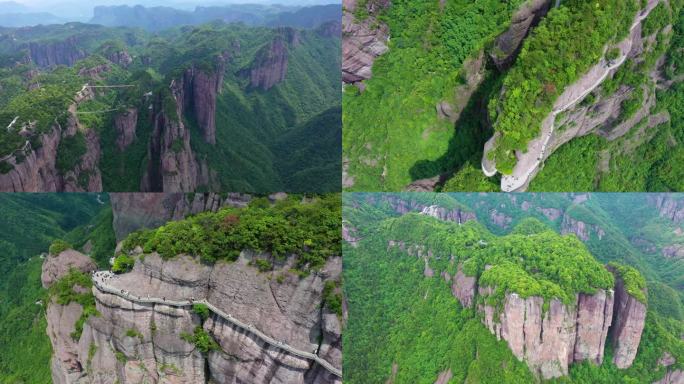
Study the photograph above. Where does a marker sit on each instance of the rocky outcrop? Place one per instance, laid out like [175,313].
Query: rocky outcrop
[570,118]
[362,40]
[499,218]
[65,365]
[133,211]
[331,29]
[121,58]
[507,45]
[441,213]
[672,377]
[669,206]
[582,230]
[200,89]
[629,318]
[51,54]
[135,342]
[674,251]
[35,169]
[269,66]
[57,266]
[464,287]
[125,125]
[550,336]
[594,317]
[404,205]
[86,176]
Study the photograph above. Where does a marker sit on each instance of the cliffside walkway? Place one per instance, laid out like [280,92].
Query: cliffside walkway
[512,183]
[100,283]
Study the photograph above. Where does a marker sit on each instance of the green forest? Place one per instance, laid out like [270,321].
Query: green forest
[306,227]
[415,330]
[29,225]
[255,128]
[395,134]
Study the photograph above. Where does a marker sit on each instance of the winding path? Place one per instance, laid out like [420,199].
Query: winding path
[101,284]
[511,183]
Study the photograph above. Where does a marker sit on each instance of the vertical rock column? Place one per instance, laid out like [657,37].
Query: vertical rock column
[629,317]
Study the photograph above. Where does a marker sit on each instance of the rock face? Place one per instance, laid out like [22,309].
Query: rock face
[508,44]
[172,165]
[571,119]
[133,211]
[200,88]
[286,309]
[37,172]
[594,317]
[57,266]
[362,40]
[581,229]
[550,340]
[401,205]
[674,251]
[65,364]
[55,53]
[125,125]
[120,57]
[270,64]
[672,377]
[629,319]
[464,287]
[668,207]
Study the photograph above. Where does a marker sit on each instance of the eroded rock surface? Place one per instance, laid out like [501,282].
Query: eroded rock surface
[133,211]
[362,40]
[57,266]
[132,342]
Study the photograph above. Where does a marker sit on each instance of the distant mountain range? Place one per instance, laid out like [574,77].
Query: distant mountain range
[160,18]
[157,18]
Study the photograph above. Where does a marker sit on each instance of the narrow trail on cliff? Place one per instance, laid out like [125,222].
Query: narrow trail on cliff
[517,183]
[99,281]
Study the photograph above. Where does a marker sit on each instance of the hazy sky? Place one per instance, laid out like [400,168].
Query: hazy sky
[82,10]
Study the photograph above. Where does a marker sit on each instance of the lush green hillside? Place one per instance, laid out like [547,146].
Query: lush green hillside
[394,134]
[409,328]
[392,124]
[254,126]
[30,222]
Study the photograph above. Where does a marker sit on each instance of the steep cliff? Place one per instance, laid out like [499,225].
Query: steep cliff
[125,125]
[133,341]
[50,54]
[549,334]
[269,66]
[570,117]
[363,39]
[133,211]
[64,159]
[63,313]
[507,45]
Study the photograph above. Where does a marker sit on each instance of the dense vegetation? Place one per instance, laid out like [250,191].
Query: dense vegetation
[309,230]
[392,134]
[644,159]
[297,119]
[418,323]
[562,48]
[64,292]
[30,223]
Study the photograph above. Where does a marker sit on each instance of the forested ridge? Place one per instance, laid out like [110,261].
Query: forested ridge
[42,69]
[414,329]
